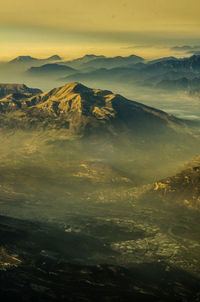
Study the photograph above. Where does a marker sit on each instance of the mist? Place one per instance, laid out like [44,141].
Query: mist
[100,200]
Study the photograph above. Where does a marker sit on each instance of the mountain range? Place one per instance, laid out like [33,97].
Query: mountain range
[50,70]
[32,60]
[20,64]
[182,84]
[164,73]
[92,62]
[168,73]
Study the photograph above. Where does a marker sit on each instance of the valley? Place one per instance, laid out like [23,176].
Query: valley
[100,151]
[93,191]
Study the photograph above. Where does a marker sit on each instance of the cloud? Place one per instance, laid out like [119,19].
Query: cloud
[104,15]
[197,53]
[187,49]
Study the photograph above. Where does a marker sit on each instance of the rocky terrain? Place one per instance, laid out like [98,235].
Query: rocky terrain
[182,188]
[15,96]
[82,109]
[17,90]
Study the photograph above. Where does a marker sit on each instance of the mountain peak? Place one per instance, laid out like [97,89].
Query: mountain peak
[75,87]
[68,93]
[54,58]
[91,56]
[194,58]
[84,93]
[29,59]
[23,59]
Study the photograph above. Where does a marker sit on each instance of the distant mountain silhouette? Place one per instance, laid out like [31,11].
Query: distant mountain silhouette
[91,62]
[54,70]
[77,63]
[183,84]
[142,73]
[29,59]
[23,59]
[162,60]
[54,58]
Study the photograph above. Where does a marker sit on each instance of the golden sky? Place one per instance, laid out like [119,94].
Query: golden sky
[46,25]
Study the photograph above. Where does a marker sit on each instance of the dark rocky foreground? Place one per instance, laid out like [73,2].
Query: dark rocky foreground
[42,262]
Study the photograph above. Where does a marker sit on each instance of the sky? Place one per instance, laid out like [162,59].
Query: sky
[111,27]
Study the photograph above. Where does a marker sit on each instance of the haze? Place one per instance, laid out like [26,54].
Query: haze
[100,151]
[74,28]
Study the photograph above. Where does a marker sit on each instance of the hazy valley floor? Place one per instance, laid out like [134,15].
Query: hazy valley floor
[79,220]
[81,223]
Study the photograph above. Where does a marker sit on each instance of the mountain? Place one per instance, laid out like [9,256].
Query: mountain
[76,63]
[22,63]
[50,70]
[15,96]
[54,58]
[29,59]
[120,75]
[23,59]
[91,62]
[114,62]
[196,53]
[86,111]
[163,60]
[183,188]
[100,135]
[98,75]
[15,89]
[186,64]
[183,84]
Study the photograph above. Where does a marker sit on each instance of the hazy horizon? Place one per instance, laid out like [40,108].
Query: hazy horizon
[147,28]
[100,157]
[147,53]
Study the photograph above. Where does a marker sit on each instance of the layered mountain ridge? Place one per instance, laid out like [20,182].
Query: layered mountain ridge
[29,59]
[52,69]
[90,62]
[166,73]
